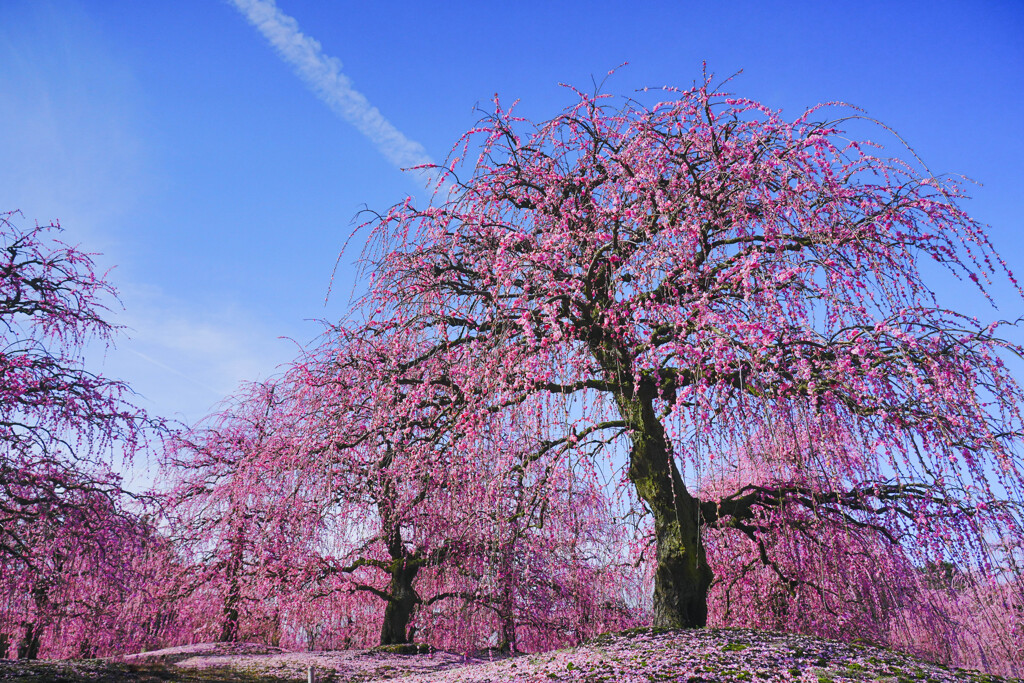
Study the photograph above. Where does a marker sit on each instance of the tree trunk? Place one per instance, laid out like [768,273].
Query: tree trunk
[229,628]
[402,602]
[28,648]
[31,641]
[682,576]
[230,612]
[402,598]
[507,643]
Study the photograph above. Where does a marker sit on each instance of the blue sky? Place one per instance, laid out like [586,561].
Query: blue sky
[174,139]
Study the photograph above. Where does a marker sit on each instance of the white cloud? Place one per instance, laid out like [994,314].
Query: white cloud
[70,136]
[183,358]
[323,75]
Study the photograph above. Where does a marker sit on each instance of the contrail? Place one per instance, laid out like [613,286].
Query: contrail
[179,373]
[324,76]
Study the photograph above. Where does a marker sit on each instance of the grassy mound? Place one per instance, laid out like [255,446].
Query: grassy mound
[711,656]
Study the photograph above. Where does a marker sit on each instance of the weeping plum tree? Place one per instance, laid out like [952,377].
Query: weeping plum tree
[808,569]
[57,419]
[240,521]
[61,507]
[377,453]
[442,508]
[660,281]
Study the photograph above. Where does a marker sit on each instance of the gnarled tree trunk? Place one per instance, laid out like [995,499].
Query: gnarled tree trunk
[682,577]
[31,641]
[32,637]
[401,596]
[401,602]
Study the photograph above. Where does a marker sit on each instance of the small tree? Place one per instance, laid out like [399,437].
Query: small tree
[238,518]
[437,510]
[380,451]
[663,280]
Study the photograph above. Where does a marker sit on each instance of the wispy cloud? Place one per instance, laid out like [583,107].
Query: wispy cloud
[324,76]
[184,356]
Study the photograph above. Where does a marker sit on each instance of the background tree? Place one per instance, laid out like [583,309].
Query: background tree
[677,276]
[240,521]
[798,568]
[384,451]
[76,556]
[90,588]
[61,508]
[385,508]
[424,515]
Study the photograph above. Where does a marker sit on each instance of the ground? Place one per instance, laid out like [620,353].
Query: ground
[691,656]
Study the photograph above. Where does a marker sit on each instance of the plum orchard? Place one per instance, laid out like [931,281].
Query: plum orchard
[668,280]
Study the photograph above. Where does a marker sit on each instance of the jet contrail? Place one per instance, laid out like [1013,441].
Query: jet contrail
[324,76]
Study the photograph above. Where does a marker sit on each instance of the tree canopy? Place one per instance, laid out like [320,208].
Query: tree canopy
[669,279]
